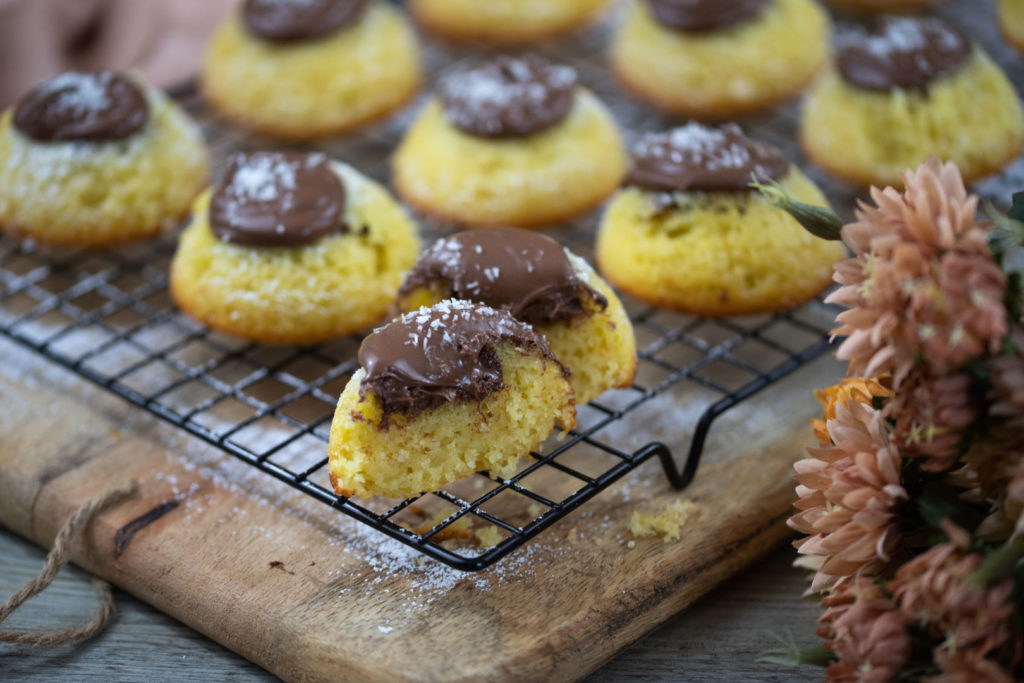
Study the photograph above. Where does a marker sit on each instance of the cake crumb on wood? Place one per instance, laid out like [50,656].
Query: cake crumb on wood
[669,522]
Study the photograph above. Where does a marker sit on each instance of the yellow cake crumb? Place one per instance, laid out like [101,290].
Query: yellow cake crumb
[669,522]
[488,536]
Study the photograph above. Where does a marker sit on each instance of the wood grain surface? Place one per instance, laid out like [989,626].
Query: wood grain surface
[717,639]
[288,584]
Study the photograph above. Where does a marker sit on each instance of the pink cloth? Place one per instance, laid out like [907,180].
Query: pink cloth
[163,38]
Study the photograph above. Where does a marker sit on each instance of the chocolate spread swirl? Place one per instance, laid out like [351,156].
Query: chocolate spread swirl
[93,106]
[285,21]
[522,271]
[901,52]
[508,96]
[441,354]
[697,157]
[278,199]
[704,15]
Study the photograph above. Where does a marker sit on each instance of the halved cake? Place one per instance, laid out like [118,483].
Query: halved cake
[444,392]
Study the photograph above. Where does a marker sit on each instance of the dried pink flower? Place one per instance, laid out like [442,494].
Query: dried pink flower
[992,475]
[931,415]
[864,629]
[967,666]
[922,283]
[849,497]
[936,593]
[1008,382]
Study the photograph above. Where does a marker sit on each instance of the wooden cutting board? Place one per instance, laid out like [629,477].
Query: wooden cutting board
[312,595]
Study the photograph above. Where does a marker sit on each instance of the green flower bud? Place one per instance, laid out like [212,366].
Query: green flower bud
[818,220]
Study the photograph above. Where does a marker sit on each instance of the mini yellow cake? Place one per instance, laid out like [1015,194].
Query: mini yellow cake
[545,161]
[542,284]
[736,64]
[688,235]
[504,21]
[1011,22]
[445,392]
[965,111]
[324,284]
[110,160]
[304,87]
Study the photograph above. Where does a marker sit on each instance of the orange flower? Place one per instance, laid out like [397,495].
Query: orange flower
[860,389]
[922,285]
[849,495]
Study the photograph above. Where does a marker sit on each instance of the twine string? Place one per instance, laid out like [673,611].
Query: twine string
[57,558]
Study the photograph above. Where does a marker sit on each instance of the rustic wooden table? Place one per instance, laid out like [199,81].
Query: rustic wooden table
[719,638]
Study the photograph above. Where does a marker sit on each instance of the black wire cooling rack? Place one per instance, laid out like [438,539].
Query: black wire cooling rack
[108,317]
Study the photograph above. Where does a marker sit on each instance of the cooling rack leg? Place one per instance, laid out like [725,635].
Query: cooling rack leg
[681,479]
[668,463]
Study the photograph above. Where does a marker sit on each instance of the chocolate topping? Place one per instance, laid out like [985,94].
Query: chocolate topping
[94,106]
[277,199]
[440,355]
[508,96]
[696,157]
[522,271]
[285,21]
[704,15]
[901,52]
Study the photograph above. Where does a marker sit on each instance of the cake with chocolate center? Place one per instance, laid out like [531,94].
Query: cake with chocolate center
[441,393]
[504,22]
[311,69]
[96,158]
[904,88]
[540,283]
[687,232]
[292,248]
[719,58]
[512,141]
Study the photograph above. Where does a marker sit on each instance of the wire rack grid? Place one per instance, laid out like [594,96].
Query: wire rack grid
[107,316]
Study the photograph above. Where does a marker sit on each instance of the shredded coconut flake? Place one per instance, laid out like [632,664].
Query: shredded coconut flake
[82,93]
[698,143]
[259,177]
[899,35]
[487,88]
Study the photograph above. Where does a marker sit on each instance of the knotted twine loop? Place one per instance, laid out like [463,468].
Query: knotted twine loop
[56,559]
